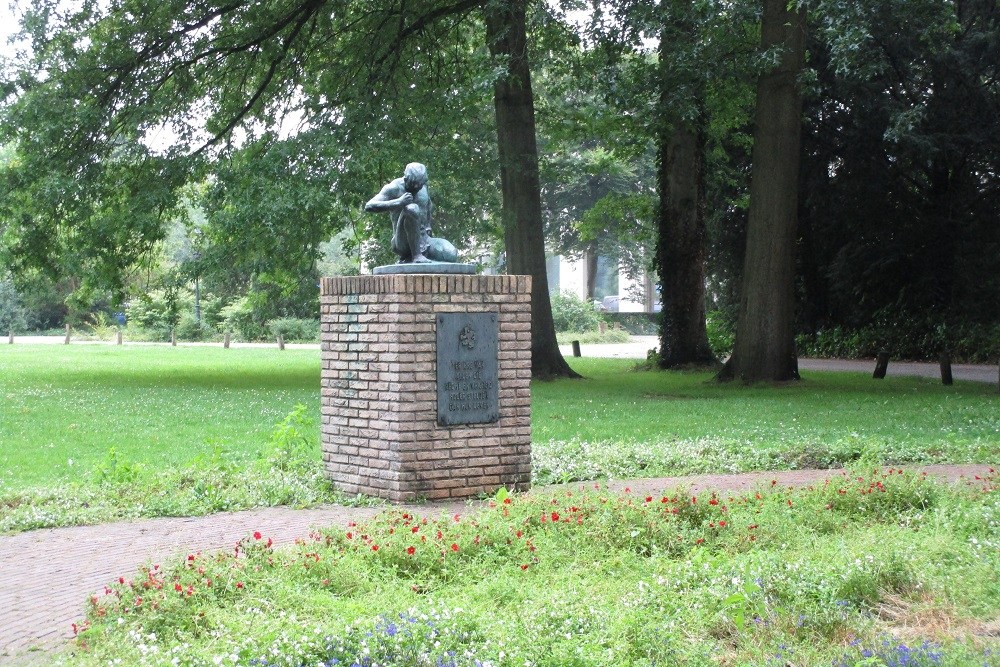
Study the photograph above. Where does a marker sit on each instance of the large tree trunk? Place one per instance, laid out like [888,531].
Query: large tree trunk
[681,235]
[681,250]
[765,337]
[522,207]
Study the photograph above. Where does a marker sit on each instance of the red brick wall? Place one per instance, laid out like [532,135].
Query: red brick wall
[379,393]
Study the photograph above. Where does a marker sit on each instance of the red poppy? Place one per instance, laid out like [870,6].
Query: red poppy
[256,535]
[454,547]
[411,550]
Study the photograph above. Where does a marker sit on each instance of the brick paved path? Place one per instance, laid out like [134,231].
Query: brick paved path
[47,575]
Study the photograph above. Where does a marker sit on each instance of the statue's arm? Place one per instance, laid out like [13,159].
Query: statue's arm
[387,200]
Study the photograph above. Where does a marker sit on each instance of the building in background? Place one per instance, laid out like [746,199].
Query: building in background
[600,279]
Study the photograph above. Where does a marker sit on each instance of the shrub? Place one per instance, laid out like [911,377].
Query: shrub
[906,338]
[239,318]
[721,333]
[571,313]
[188,328]
[12,315]
[295,329]
[591,337]
[637,324]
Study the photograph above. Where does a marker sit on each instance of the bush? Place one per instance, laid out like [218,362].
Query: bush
[595,336]
[12,315]
[239,318]
[295,329]
[188,328]
[721,333]
[914,338]
[571,313]
[637,324]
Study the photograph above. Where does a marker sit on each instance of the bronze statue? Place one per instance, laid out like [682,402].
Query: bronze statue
[409,205]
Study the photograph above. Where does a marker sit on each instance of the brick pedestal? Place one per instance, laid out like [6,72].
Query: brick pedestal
[380,429]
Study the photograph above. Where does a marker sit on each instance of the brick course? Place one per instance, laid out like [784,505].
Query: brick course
[379,387]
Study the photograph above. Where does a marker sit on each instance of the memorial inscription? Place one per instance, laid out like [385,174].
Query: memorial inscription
[467,379]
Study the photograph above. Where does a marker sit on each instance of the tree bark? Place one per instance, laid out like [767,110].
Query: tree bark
[681,250]
[522,208]
[765,337]
[681,235]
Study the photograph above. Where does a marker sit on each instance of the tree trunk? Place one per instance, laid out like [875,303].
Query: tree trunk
[765,337]
[522,208]
[681,235]
[681,250]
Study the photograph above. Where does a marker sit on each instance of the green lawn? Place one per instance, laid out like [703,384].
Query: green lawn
[632,424]
[92,432]
[64,407]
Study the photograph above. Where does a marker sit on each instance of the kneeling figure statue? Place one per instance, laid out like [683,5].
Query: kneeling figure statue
[409,205]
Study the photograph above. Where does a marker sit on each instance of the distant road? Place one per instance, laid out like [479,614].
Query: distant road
[637,348]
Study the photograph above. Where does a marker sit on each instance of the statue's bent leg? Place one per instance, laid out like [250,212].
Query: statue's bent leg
[410,220]
[400,246]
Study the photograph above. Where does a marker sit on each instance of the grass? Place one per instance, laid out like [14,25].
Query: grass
[874,569]
[94,433]
[65,407]
[641,424]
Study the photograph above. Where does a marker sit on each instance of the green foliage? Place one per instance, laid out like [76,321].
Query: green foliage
[573,314]
[12,315]
[906,338]
[189,328]
[157,312]
[295,329]
[721,333]
[240,319]
[594,337]
[637,324]
[597,578]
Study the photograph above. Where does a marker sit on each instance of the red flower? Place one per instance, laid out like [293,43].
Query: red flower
[374,547]
[506,501]
[414,529]
[411,550]
[694,500]
[454,547]
[178,588]
[350,535]
[722,524]
[256,535]
[555,516]
[239,584]
[649,499]
[524,566]
[713,501]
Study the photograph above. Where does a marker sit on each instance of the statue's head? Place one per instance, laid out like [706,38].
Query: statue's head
[414,177]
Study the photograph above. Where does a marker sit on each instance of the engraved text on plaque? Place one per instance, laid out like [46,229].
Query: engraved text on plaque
[467,391]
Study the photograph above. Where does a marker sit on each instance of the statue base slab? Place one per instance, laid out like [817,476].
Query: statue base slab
[429,268]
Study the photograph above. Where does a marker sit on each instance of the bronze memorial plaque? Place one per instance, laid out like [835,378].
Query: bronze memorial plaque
[467,383]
